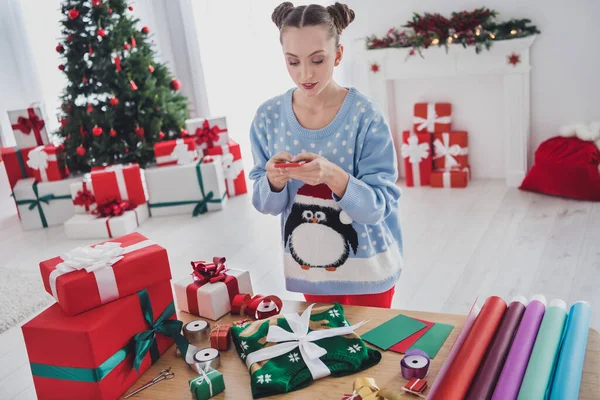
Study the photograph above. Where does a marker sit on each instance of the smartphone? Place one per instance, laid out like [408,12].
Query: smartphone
[289,164]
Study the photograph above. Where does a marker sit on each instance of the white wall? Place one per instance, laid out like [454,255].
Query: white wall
[565,86]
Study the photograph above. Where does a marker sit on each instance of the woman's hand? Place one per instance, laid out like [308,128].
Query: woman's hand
[278,177]
[319,170]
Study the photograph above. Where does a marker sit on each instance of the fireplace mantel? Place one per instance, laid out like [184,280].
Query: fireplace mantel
[397,65]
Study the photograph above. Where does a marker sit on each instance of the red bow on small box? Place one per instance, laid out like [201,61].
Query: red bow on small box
[113,208]
[33,123]
[208,134]
[209,272]
[84,198]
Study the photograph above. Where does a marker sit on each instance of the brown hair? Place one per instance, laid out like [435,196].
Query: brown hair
[335,18]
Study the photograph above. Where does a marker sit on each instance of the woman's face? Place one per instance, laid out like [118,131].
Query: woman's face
[310,57]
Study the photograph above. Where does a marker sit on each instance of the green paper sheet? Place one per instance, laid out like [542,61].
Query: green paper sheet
[433,340]
[393,331]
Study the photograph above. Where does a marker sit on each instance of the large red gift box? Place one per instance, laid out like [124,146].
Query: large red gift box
[117,268]
[15,163]
[47,163]
[451,178]
[121,182]
[175,152]
[450,150]
[416,151]
[233,167]
[432,117]
[91,356]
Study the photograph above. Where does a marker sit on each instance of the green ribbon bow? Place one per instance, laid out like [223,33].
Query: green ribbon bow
[201,205]
[39,200]
[21,163]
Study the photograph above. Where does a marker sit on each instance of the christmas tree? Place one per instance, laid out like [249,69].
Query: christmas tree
[119,100]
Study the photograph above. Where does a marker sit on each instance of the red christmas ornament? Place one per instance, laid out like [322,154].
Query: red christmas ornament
[85,79]
[101,32]
[374,67]
[133,86]
[150,68]
[139,131]
[90,108]
[112,133]
[130,8]
[90,50]
[118,63]
[514,59]
[61,67]
[133,43]
[97,131]
[60,48]
[184,133]
[70,38]
[126,46]
[113,101]
[161,135]
[110,10]
[73,14]
[175,84]
[96,3]
[146,30]
[81,151]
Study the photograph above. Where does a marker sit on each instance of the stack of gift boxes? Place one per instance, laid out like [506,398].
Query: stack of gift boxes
[192,175]
[434,154]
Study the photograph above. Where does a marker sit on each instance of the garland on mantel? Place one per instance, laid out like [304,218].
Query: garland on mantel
[476,28]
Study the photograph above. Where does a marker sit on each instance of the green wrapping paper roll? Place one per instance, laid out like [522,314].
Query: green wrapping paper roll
[545,352]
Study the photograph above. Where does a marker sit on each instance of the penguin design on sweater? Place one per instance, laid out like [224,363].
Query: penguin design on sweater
[319,233]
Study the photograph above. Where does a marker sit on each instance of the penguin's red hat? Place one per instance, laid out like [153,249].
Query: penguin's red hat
[320,195]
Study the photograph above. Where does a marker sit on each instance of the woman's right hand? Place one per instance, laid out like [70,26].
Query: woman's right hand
[278,177]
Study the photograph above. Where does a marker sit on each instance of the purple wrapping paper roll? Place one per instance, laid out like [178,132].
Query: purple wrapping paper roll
[512,374]
[415,364]
[485,381]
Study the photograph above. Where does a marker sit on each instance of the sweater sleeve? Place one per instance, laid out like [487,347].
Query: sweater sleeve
[263,198]
[372,192]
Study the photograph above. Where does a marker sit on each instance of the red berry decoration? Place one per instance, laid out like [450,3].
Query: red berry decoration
[90,108]
[113,133]
[161,135]
[101,32]
[175,84]
[70,38]
[96,3]
[113,101]
[81,151]
[150,68]
[130,8]
[110,10]
[73,14]
[126,46]
[60,48]
[133,86]
[145,30]
[85,79]
[61,67]
[97,131]
[139,131]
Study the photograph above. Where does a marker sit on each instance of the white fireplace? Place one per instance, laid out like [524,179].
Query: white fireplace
[490,97]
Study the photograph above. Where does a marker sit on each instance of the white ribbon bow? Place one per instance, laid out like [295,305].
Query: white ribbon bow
[432,118]
[181,154]
[448,152]
[415,151]
[302,339]
[38,160]
[204,378]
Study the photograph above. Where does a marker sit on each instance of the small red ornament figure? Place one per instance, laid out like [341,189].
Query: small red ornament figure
[81,151]
[175,84]
[113,101]
[73,14]
[161,135]
[60,48]
[150,68]
[145,30]
[97,131]
[133,86]
[113,133]
[514,59]
[375,67]
[101,32]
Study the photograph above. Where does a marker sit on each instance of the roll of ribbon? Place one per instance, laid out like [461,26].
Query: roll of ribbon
[239,303]
[196,330]
[261,307]
[205,358]
[569,368]
[415,364]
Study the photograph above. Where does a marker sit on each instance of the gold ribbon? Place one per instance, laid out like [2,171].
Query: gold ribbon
[367,389]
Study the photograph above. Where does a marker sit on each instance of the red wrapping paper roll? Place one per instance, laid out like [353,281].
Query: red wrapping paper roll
[459,376]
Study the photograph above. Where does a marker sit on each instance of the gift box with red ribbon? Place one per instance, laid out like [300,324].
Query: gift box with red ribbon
[451,178]
[83,196]
[101,353]
[432,117]
[120,182]
[15,163]
[28,127]
[415,385]
[450,150]
[47,163]
[416,151]
[208,132]
[176,152]
[90,276]
[209,290]
[110,220]
[233,167]
[220,337]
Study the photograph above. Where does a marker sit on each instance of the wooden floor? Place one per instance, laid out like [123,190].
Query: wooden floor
[483,240]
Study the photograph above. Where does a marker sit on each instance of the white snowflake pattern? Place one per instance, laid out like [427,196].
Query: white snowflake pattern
[275,130]
[344,142]
[347,127]
[376,119]
[354,118]
[282,124]
[342,159]
[346,323]
[338,135]
[364,234]
[374,130]
[262,115]
[243,355]
[312,145]
[362,110]
[260,125]
[289,133]
[278,103]
[269,107]
[355,348]
[329,144]
[380,234]
[268,120]
[287,148]
[334,313]
[268,137]
[350,167]
[296,142]
[365,247]
[294,358]
[276,115]
[281,139]
[303,151]
[370,230]
[358,103]
[384,247]
[275,146]
[350,151]
[320,152]
[244,345]
[334,151]
[374,242]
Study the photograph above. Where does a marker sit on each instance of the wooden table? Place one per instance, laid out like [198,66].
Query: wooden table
[386,373]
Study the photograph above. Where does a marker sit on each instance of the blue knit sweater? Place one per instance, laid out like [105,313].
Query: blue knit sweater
[348,245]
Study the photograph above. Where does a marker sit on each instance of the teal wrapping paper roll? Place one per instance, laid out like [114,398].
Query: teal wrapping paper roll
[538,376]
[567,377]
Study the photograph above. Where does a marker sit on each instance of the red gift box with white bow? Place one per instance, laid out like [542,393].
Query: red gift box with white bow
[451,178]
[15,163]
[120,182]
[450,150]
[432,117]
[233,167]
[416,151]
[47,163]
[175,152]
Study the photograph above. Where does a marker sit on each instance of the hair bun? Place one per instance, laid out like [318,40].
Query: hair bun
[342,15]
[280,12]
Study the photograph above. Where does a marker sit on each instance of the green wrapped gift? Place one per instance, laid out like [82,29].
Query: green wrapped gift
[208,384]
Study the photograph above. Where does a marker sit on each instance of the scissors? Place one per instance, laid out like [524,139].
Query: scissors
[164,374]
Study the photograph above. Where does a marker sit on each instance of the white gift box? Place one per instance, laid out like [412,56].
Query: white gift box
[29,127]
[44,204]
[83,185]
[208,132]
[88,226]
[212,298]
[186,189]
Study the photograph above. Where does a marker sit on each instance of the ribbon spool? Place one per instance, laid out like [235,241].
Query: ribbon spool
[261,307]
[204,359]
[196,330]
[239,303]
[415,364]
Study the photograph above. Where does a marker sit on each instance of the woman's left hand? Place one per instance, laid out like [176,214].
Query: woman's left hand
[318,170]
